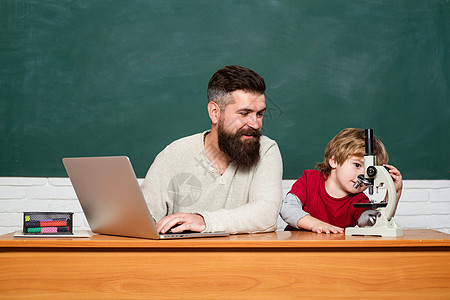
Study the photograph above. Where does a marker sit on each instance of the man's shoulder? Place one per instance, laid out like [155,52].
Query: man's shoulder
[187,141]
[183,147]
[267,143]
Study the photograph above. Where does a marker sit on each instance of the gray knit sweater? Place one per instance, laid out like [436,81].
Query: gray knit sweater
[182,179]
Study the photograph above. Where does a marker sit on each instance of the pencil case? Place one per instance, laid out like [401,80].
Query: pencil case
[47,223]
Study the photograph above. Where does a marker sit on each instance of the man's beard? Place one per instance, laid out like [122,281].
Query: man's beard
[243,153]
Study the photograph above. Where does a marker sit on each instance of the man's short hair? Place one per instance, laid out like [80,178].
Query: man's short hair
[350,142]
[230,79]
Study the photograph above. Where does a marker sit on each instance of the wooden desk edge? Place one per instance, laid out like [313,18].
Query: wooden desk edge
[422,238]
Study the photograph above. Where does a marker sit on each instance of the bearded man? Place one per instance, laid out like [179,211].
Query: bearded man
[227,178]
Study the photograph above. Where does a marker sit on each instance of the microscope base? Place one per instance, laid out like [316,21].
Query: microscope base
[375,231]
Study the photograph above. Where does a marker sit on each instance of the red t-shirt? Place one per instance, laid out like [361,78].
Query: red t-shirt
[310,189]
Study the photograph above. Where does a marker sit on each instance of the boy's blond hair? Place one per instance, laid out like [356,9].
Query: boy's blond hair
[350,142]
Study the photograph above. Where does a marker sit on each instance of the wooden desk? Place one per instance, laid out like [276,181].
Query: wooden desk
[270,266]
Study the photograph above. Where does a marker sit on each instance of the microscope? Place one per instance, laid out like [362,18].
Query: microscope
[377,176]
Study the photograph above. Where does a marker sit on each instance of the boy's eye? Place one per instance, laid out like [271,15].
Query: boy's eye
[357,165]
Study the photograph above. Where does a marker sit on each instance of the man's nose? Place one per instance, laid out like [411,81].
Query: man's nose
[254,122]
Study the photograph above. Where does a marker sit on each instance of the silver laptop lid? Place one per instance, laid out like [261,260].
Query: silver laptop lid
[112,200]
[110,196]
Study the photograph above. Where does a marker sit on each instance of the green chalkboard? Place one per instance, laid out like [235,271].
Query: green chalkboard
[127,77]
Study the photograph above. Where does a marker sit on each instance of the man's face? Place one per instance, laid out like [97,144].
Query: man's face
[239,127]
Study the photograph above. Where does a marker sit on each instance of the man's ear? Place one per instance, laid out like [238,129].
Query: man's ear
[333,163]
[213,112]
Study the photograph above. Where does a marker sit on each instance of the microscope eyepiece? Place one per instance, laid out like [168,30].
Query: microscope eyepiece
[369,142]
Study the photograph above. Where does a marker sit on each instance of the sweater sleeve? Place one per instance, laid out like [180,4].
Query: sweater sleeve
[154,189]
[261,212]
[292,210]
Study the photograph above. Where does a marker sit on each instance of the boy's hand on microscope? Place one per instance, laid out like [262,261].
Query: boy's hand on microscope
[397,178]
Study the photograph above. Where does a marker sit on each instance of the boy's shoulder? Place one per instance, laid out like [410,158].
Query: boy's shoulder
[313,174]
[310,177]
[310,181]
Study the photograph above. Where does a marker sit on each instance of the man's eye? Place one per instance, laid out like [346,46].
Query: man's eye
[244,114]
[260,114]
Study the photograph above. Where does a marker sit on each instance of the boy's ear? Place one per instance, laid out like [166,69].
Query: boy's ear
[332,162]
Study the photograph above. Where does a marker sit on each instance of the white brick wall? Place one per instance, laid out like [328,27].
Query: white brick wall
[424,203]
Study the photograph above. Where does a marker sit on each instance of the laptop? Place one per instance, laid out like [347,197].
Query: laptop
[112,200]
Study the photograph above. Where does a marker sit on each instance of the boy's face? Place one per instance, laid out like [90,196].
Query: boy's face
[345,176]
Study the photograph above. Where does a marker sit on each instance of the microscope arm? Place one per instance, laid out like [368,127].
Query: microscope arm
[384,178]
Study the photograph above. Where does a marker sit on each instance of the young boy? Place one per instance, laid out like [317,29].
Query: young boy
[322,200]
